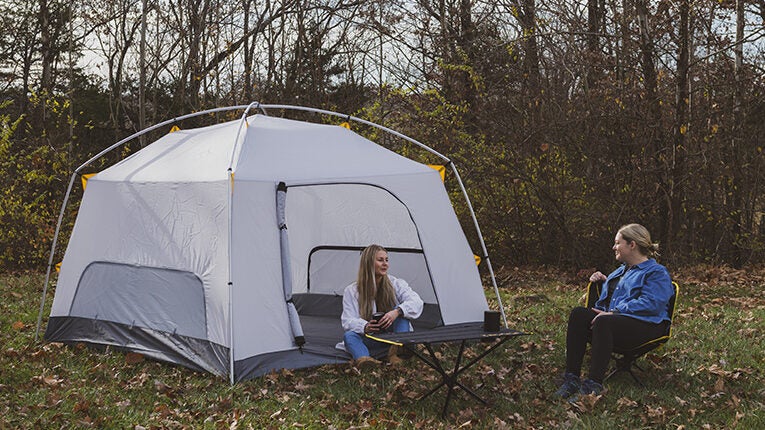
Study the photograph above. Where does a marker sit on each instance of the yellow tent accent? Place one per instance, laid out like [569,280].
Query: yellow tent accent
[85,178]
[346,124]
[174,129]
[477,259]
[440,169]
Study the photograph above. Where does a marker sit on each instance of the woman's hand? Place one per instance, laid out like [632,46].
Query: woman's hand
[372,327]
[387,319]
[598,277]
[599,313]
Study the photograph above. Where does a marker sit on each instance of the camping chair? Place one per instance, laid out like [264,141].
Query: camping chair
[626,358]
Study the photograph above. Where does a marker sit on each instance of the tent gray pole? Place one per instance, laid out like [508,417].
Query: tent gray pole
[243,122]
[230,281]
[50,258]
[483,245]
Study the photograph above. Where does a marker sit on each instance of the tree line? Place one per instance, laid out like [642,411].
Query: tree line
[565,118]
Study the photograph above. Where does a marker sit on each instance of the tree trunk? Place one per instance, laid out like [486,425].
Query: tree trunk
[678,170]
[142,74]
[46,50]
[656,158]
[595,12]
[247,58]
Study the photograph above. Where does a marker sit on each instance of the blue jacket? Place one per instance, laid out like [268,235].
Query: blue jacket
[643,292]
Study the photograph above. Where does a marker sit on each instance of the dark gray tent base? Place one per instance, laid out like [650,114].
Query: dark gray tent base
[183,350]
[319,317]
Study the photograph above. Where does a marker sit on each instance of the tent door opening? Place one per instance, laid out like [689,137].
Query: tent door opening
[329,225]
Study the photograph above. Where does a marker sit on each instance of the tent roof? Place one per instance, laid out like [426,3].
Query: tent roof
[271,149]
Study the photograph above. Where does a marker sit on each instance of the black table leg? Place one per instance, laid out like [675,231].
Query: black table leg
[450,379]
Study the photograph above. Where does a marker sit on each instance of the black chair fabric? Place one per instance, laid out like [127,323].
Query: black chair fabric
[626,359]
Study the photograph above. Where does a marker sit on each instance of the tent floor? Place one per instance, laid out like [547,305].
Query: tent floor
[320,319]
[322,331]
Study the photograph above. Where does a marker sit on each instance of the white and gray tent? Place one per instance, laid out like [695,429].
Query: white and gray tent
[227,248]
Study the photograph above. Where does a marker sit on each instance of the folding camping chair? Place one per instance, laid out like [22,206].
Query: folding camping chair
[626,359]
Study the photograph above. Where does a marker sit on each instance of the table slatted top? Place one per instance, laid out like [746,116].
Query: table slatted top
[447,333]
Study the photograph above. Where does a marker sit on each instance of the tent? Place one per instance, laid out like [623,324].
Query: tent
[226,248]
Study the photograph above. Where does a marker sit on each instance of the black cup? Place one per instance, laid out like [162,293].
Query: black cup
[491,321]
[376,317]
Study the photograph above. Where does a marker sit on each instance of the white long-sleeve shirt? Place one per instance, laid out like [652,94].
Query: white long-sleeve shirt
[406,299]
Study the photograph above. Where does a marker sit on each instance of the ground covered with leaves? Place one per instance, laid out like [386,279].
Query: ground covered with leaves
[710,374]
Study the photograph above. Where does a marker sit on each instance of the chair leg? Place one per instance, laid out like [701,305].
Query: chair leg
[638,381]
[625,364]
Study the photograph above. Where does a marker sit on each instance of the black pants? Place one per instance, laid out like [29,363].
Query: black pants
[609,331]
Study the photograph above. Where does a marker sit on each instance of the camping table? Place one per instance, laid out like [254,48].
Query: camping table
[461,333]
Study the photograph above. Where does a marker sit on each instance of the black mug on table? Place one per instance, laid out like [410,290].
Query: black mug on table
[491,321]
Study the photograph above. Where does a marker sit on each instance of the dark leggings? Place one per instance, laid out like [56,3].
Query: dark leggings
[608,332]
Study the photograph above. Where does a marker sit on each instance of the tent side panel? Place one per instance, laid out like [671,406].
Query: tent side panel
[261,322]
[453,270]
[197,354]
[180,227]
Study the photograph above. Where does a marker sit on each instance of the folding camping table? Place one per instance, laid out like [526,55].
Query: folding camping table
[462,333]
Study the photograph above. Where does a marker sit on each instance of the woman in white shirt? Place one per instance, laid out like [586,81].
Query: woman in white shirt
[376,291]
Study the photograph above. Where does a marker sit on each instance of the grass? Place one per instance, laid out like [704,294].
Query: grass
[710,375]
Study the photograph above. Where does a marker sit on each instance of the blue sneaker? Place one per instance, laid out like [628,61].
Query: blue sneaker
[588,387]
[571,385]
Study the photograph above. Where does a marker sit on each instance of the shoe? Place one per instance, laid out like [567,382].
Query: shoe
[366,362]
[588,388]
[591,387]
[393,355]
[571,385]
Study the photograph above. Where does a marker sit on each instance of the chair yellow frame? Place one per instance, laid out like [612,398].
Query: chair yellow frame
[626,359]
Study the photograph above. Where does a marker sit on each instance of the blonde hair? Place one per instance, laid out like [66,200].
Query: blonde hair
[383,295]
[640,235]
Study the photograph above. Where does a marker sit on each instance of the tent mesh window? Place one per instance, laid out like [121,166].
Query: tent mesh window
[164,300]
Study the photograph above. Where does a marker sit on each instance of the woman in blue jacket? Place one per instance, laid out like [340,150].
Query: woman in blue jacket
[633,308]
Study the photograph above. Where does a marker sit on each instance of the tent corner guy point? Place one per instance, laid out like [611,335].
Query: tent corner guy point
[227,248]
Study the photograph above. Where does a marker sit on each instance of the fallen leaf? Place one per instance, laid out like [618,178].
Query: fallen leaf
[587,402]
[656,414]
[133,358]
[161,386]
[18,325]
[624,402]
[52,381]
[300,386]
[82,406]
[720,385]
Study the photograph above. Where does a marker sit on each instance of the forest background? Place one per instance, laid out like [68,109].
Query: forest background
[566,118]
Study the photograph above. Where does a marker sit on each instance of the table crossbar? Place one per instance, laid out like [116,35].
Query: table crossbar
[462,333]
